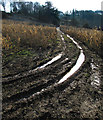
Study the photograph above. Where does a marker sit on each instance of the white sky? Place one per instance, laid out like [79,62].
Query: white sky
[67,5]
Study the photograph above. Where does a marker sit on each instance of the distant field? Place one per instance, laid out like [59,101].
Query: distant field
[91,37]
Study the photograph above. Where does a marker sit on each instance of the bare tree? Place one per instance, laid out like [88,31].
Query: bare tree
[3,2]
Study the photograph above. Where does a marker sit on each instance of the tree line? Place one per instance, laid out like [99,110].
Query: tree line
[46,13]
[83,18]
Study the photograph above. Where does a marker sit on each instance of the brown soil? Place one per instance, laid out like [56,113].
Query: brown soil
[76,98]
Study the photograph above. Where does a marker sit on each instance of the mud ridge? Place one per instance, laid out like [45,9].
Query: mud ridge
[39,86]
[17,77]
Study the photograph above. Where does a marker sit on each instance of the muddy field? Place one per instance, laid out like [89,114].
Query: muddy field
[34,95]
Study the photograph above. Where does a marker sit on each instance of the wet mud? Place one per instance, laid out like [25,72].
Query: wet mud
[36,95]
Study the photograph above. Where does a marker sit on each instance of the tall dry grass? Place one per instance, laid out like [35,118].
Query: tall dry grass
[91,37]
[18,34]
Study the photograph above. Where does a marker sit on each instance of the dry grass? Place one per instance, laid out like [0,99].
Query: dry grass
[91,37]
[25,46]
[19,34]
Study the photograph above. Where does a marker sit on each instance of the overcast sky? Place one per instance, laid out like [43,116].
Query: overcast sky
[67,5]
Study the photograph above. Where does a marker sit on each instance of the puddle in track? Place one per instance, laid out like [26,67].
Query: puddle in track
[40,67]
[78,64]
[51,61]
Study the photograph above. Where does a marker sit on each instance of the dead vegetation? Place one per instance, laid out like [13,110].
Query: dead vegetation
[91,37]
